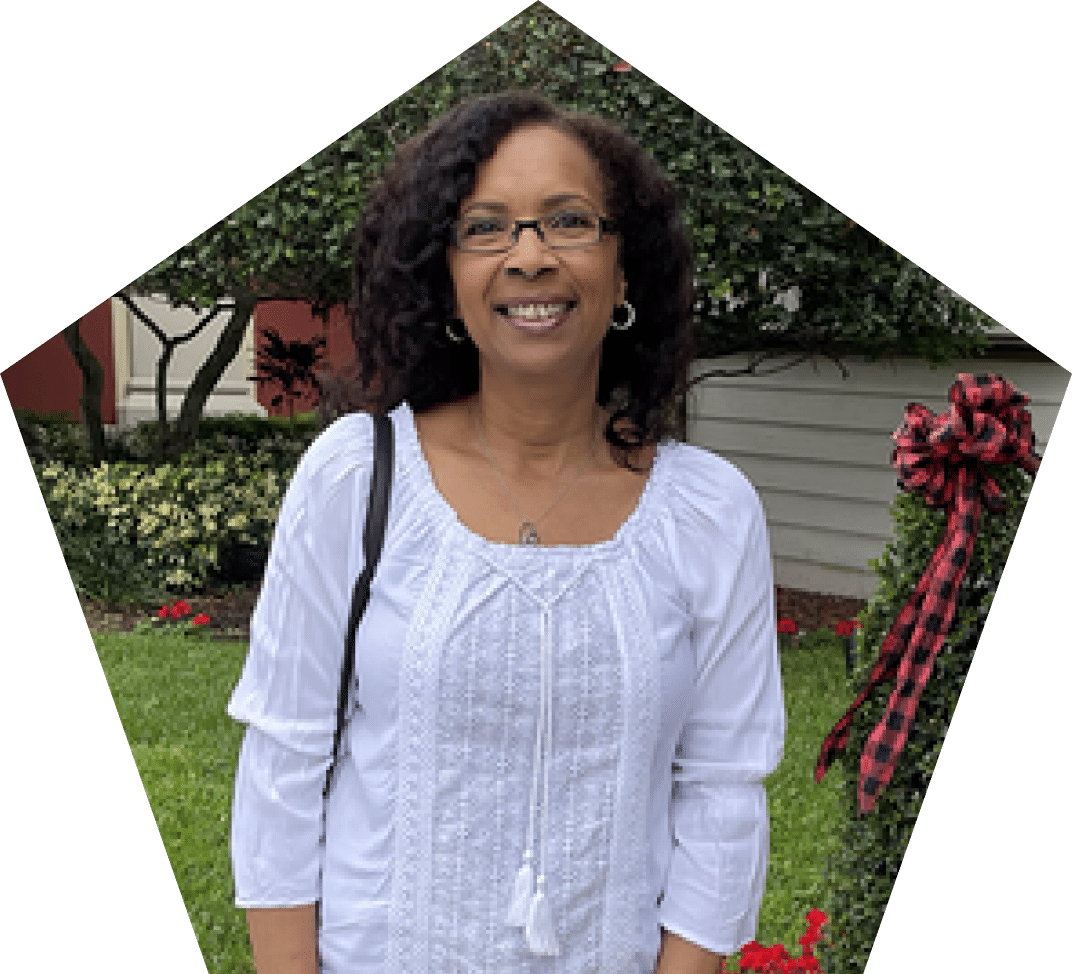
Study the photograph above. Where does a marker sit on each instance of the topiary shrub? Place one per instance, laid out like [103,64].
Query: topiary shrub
[861,874]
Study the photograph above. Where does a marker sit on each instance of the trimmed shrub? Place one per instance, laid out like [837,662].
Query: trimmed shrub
[285,440]
[133,530]
[135,533]
[56,438]
[861,874]
[53,438]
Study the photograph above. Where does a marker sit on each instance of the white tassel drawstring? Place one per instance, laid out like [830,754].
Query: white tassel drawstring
[520,903]
[517,912]
[531,909]
[540,930]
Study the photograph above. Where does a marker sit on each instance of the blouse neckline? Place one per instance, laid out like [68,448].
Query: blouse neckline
[410,439]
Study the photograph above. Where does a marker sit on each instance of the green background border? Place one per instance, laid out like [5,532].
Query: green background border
[131,128]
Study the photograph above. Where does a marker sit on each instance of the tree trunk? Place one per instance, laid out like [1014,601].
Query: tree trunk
[92,387]
[184,432]
[162,438]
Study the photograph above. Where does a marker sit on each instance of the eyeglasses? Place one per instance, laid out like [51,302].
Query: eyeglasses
[488,233]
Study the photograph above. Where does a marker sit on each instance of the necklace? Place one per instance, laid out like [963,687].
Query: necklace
[526,533]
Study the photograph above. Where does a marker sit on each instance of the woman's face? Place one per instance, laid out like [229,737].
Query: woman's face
[534,309]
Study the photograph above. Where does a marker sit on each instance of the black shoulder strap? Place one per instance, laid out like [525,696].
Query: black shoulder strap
[375,527]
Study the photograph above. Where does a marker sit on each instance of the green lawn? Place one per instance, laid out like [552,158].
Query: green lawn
[803,813]
[171,692]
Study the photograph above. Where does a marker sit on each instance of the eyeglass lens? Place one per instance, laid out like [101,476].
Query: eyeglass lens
[566,228]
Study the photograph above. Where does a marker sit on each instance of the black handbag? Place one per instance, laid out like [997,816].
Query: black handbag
[375,528]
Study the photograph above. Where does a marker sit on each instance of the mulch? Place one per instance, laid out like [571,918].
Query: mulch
[229,609]
[812,610]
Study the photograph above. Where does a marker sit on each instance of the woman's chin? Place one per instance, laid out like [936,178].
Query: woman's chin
[527,360]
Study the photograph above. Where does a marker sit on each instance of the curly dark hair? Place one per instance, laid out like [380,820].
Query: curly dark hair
[403,293]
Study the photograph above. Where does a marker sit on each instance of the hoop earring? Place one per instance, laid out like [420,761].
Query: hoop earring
[630,313]
[450,333]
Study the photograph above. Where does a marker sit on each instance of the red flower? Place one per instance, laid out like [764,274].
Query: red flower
[163,613]
[201,619]
[174,612]
[758,959]
[846,628]
[182,608]
[755,958]
[787,626]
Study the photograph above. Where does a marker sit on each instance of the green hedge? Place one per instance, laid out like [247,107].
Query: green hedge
[137,532]
[133,533]
[861,874]
[56,438]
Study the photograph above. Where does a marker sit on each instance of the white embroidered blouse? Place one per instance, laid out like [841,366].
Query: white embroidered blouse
[604,714]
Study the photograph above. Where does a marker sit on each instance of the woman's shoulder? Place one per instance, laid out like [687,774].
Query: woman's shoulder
[348,438]
[706,492]
[341,452]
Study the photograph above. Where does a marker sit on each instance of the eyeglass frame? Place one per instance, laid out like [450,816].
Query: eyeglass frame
[605,225]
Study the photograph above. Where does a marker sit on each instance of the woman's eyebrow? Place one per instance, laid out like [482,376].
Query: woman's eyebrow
[564,198]
[549,201]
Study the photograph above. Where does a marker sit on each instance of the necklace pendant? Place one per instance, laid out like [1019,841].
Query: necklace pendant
[526,534]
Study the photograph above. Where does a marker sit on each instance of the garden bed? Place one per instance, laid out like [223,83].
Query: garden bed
[812,610]
[229,609]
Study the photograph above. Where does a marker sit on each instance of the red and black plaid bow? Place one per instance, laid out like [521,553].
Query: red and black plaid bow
[941,457]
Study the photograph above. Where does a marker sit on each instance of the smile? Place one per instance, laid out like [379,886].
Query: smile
[536,316]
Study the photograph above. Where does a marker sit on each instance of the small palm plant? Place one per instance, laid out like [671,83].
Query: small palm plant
[290,364]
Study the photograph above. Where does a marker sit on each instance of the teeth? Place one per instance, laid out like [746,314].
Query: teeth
[531,311]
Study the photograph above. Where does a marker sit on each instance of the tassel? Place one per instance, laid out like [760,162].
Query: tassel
[521,901]
[540,930]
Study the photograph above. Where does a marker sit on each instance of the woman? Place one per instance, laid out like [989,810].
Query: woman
[568,690]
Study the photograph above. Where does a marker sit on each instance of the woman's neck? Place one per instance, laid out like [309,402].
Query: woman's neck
[537,434]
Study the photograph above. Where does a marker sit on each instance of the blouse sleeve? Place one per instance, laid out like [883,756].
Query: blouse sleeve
[734,733]
[288,691]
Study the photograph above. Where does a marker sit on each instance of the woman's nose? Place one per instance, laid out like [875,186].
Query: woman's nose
[529,256]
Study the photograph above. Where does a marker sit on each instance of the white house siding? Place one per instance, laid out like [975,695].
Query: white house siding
[817,448]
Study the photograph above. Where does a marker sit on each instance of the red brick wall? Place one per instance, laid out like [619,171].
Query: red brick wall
[48,380]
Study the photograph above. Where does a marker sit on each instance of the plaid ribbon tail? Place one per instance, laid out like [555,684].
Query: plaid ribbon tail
[835,741]
[885,667]
[886,742]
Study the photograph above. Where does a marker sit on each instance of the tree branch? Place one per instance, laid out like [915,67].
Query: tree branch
[750,368]
[144,318]
[165,339]
[200,326]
